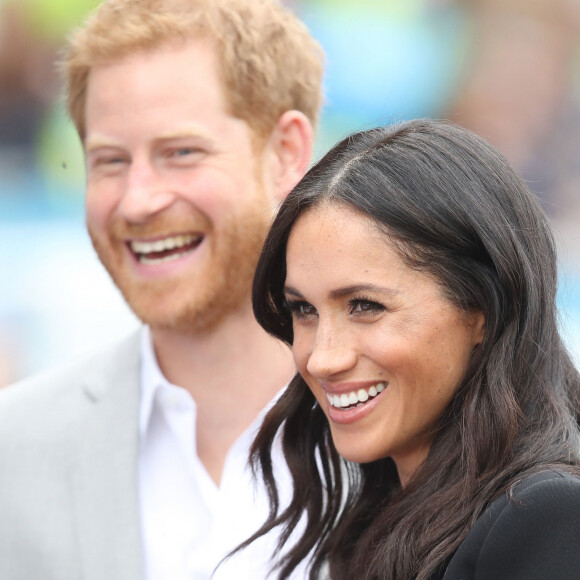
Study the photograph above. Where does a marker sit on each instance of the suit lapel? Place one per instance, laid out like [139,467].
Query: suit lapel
[105,480]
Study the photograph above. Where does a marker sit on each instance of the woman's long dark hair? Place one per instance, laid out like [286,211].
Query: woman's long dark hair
[457,211]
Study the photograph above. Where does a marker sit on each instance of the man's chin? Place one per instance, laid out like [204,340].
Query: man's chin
[185,324]
[193,318]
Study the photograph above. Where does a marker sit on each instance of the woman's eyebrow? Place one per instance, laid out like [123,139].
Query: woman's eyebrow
[293,291]
[347,290]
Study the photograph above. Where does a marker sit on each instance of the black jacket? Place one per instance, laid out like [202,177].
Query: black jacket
[532,535]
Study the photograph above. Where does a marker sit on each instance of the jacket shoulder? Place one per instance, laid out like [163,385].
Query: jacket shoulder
[55,391]
[68,466]
[530,532]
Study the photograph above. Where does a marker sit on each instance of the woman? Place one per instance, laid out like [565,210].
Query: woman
[432,431]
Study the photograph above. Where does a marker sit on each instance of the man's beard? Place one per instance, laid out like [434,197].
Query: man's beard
[195,302]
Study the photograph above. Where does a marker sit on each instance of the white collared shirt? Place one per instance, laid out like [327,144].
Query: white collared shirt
[189,523]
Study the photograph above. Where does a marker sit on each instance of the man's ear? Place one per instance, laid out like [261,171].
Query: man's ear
[291,144]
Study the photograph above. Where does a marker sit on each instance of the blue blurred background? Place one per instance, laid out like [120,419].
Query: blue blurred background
[508,69]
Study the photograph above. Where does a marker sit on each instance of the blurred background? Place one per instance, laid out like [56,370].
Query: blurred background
[508,69]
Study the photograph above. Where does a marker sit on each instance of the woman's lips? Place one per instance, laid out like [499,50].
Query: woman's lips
[354,398]
[344,409]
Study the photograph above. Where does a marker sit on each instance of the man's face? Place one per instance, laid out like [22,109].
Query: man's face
[178,201]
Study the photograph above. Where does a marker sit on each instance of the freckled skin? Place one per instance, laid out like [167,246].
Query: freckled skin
[399,329]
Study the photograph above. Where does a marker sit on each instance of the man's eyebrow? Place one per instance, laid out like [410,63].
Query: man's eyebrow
[98,142]
[182,134]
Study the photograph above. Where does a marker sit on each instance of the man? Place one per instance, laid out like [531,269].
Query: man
[196,117]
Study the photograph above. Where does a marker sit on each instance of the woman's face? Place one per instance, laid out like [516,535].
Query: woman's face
[381,348]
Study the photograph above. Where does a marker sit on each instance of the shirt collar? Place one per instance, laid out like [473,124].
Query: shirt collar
[152,379]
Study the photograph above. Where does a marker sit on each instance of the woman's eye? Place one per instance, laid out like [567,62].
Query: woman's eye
[358,306]
[301,309]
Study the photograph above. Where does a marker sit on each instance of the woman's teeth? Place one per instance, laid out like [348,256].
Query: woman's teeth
[355,398]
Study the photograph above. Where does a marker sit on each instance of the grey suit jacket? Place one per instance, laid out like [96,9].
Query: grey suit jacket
[69,508]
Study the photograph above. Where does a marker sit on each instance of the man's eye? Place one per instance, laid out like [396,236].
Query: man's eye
[183,156]
[183,152]
[107,161]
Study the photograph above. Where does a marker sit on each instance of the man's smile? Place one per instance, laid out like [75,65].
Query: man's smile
[164,249]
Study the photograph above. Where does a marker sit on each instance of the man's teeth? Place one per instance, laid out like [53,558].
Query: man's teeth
[145,260]
[165,250]
[355,397]
[169,243]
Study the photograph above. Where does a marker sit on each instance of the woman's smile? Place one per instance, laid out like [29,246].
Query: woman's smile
[381,348]
[355,398]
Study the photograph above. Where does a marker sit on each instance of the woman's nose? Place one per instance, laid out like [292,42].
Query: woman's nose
[332,353]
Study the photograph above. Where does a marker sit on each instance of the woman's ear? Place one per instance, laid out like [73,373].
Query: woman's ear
[477,321]
[291,144]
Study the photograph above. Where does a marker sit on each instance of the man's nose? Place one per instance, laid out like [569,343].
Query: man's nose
[146,193]
[333,353]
